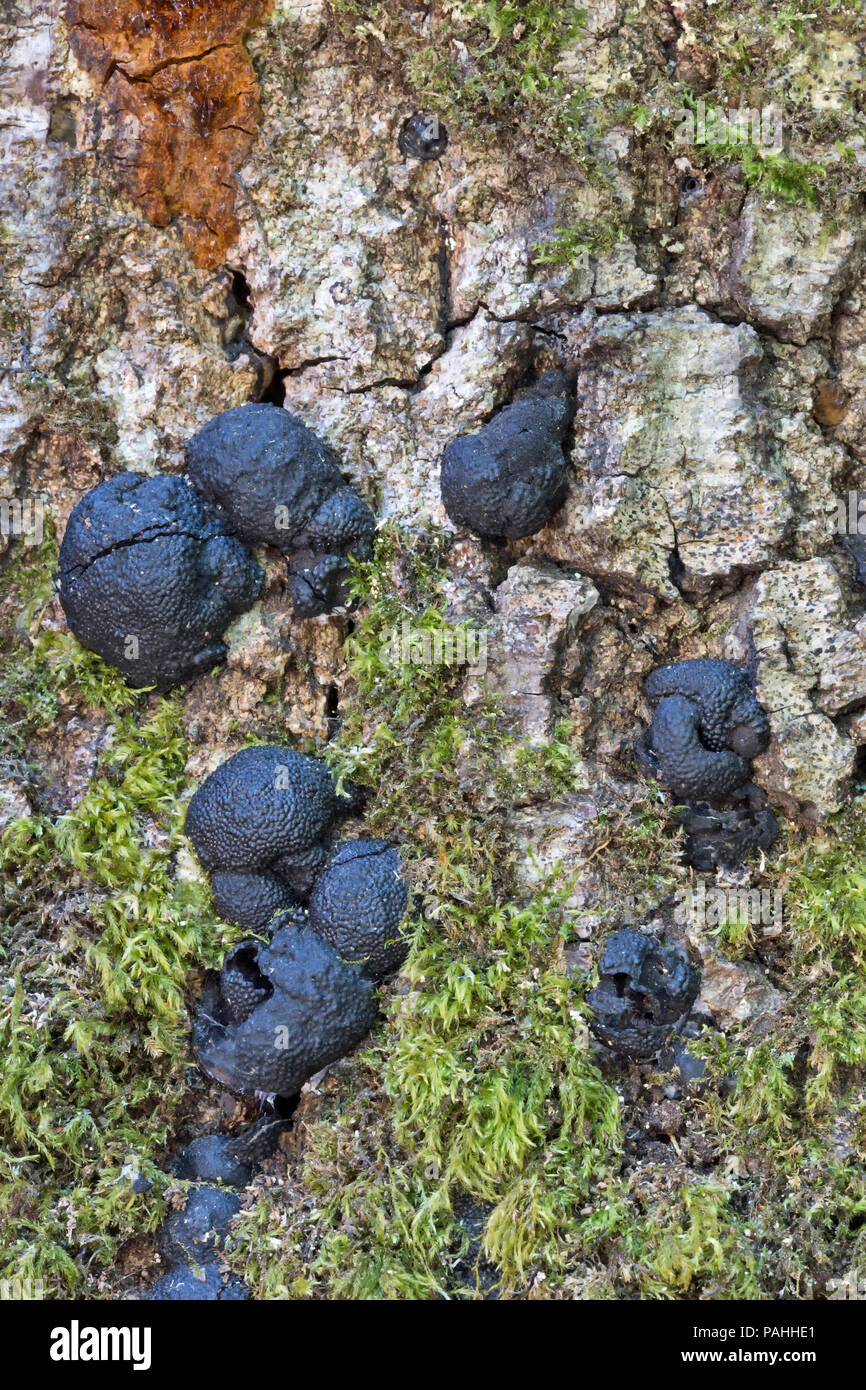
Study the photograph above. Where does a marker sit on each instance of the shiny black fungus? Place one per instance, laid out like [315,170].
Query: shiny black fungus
[729,716]
[359,903]
[150,581]
[507,480]
[210,1159]
[274,481]
[264,809]
[723,837]
[277,1014]
[673,751]
[645,991]
[422,136]
[196,1232]
[199,1284]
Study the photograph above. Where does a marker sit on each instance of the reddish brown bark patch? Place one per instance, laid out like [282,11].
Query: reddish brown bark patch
[181,87]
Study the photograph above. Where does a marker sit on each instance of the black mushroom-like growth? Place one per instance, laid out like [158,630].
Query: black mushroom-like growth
[707,725]
[302,1008]
[274,481]
[645,991]
[263,811]
[507,480]
[358,905]
[150,581]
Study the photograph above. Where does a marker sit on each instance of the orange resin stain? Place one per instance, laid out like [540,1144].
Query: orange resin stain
[179,83]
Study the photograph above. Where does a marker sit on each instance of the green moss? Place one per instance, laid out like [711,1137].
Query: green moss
[479,1084]
[571,245]
[98,941]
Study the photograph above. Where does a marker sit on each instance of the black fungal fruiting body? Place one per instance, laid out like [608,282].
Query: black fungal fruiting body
[264,809]
[149,580]
[685,765]
[722,837]
[358,905]
[422,136]
[645,990]
[210,1159]
[302,1009]
[194,1233]
[729,715]
[274,481]
[706,726]
[507,480]
[250,900]
[197,1284]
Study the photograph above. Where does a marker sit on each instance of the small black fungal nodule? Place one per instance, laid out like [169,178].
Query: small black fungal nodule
[422,136]
[506,480]
[358,905]
[645,990]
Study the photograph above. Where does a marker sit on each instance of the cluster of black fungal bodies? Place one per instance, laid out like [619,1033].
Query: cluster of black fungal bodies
[153,569]
[278,1013]
[505,482]
[284,1007]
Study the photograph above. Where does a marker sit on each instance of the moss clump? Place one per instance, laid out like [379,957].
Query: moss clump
[98,940]
[479,1083]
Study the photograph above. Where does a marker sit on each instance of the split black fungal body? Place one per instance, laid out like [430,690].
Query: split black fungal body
[507,480]
[302,1008]
[645,990]
[149,580]
[273,481]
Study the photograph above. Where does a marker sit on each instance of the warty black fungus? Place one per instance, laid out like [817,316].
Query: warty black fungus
[507,479]
[149,580]
[645,990]
[274,481]
[729,716]
[287,1010]
[358,905]
[250,900]
[675,754]
[264,809]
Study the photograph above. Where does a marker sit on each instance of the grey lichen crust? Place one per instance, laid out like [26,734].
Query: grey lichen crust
[149,580]
[304,1008]
[359,903]
[645,990]
[507,480]
[275,482]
